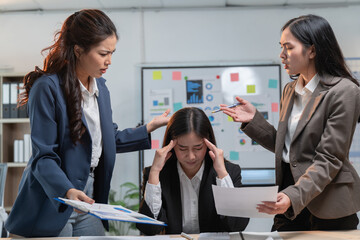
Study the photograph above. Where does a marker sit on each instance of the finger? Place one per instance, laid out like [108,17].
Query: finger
[212,155]
[171,145]
[168,155]
[83,197]
[166,112]
[209,144]
[240,100]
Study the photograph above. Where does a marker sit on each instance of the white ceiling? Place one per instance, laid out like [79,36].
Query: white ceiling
[51,5]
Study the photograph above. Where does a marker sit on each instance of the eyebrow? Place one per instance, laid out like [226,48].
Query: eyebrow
[197,145]
[285,43]
[107,51]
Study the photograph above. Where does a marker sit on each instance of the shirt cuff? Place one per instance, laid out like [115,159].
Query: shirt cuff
[225,182]
[153,198]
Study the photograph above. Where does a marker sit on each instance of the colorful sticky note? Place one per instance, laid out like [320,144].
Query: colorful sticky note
[155,144]
[234,156]
[273,83]
[274,107]
[177,106]
[234,77]
[250,88]
[176,76]
[157,75]
[230,119]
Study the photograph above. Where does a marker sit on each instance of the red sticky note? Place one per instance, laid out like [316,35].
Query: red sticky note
[155,144]
[274,107]
[176,76]
[234,77]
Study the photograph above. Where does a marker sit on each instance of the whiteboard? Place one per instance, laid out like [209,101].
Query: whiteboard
[206,87]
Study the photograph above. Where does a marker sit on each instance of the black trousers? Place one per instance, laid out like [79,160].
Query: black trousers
[305,221]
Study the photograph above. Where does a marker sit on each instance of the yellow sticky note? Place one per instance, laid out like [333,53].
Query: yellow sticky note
[157,75]
[230,119]
[250,88]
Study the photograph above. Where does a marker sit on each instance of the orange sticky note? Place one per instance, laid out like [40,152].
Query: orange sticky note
[274,107]
[234,77]
[155,144]
[176,76]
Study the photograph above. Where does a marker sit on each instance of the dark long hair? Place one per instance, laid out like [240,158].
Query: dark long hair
[85,28]
[312,30]
[186,120]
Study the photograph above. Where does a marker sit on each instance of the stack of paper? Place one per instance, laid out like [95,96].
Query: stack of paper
[110,212]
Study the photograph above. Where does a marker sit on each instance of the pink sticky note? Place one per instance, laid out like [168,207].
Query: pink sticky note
[176,76]
[234,77]
[155,144]
[274,107]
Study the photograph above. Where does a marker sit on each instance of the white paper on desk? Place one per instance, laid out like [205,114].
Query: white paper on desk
[242,202]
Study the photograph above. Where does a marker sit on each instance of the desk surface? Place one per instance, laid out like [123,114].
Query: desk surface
[301,235]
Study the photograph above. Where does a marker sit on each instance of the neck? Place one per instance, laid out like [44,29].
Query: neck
[309,73]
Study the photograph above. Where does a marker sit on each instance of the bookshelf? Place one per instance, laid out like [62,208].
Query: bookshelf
[11,129]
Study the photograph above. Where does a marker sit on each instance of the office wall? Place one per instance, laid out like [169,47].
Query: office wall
[168,36]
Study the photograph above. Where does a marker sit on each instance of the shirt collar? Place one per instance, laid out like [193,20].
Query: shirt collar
[309,87]
[93,87]
[198,175]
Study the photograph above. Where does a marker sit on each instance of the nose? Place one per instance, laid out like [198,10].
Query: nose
[282,54]
[108,60]
[191,155]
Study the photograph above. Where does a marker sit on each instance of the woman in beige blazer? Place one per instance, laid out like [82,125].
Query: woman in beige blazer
[319,188]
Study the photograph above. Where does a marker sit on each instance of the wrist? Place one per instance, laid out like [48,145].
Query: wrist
[221,173]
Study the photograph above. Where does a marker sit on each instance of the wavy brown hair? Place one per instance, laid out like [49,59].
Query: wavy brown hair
[85,28]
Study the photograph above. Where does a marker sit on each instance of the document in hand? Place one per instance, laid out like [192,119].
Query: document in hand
[110,212]
[242,202]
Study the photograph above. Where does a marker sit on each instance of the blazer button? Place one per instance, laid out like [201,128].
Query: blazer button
[294,164]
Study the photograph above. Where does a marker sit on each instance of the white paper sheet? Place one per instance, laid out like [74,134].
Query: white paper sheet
[242,202]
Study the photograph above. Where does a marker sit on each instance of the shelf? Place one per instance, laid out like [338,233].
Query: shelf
[12,164]
[14,120]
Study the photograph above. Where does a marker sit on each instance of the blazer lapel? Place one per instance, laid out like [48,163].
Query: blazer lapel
[175,195]
[310,108]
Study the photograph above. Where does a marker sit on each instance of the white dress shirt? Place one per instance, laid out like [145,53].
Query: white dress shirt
[90,108]
[302,97]
[189,189]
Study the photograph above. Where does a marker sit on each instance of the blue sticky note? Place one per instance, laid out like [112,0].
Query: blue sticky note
[273,83]
[234,155]
[177,106]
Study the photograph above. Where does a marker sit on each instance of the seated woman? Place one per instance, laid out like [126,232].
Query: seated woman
[177,187]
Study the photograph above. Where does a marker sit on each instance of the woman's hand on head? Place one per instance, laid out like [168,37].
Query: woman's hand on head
[74,194]
[160,158]
[217,155]
[279,207]
[158,121]
[241,113]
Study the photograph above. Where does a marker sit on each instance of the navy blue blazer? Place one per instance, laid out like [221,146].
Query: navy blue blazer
[56,164]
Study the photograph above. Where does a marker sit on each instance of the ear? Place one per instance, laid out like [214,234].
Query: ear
[312,52]
[78,50]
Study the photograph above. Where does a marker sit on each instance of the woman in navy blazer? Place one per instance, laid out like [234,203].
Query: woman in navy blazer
[65,130]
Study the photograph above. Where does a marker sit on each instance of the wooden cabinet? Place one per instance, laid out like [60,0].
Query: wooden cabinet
[11,128]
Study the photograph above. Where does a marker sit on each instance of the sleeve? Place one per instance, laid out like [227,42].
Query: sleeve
[234,224]
[46,162]
[330,152]
[261,131]
[152,197]
[225,182]
[132,139]
[149,229]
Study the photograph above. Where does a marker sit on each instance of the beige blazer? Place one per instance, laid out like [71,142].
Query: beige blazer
[325,181]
